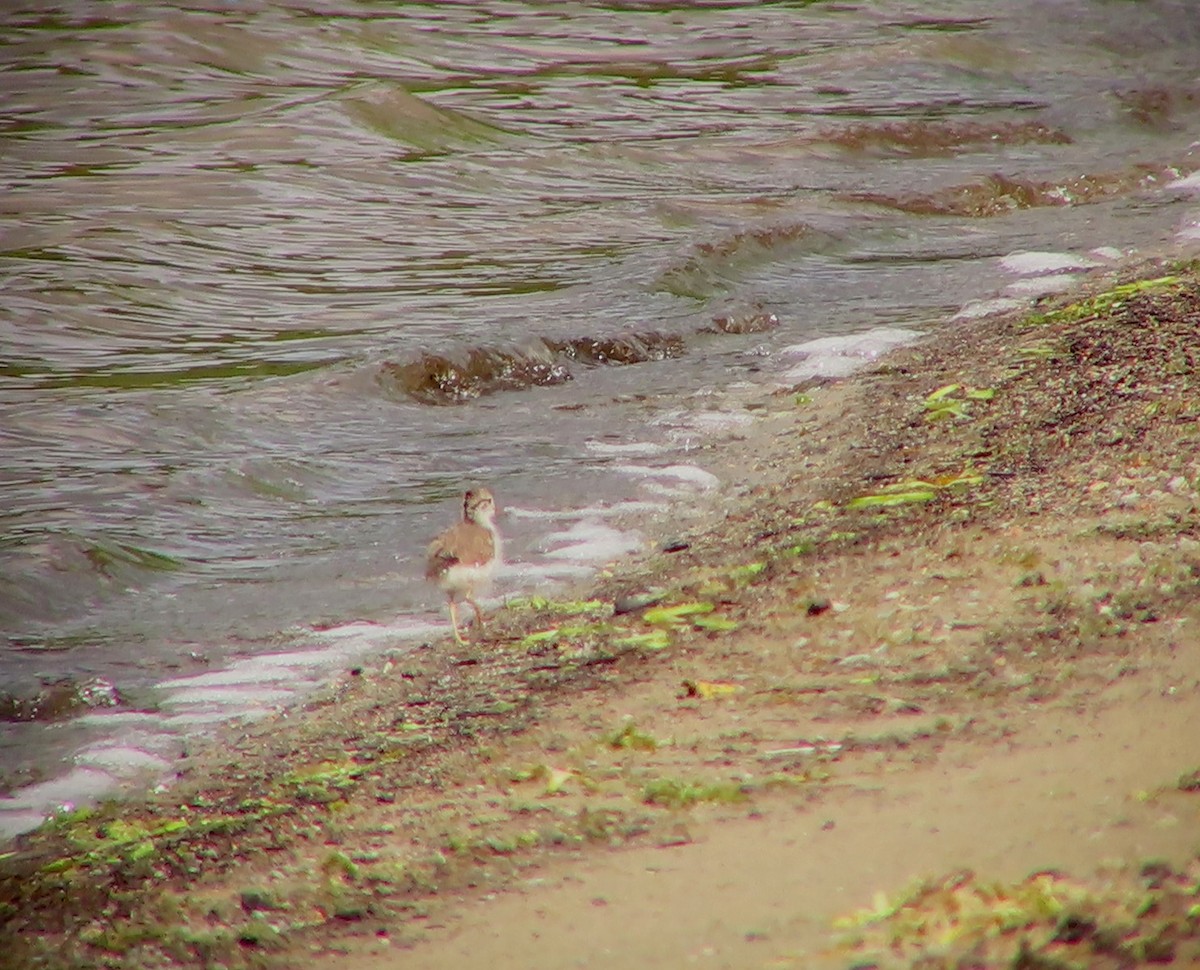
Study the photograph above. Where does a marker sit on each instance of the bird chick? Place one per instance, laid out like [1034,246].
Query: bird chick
[462,559]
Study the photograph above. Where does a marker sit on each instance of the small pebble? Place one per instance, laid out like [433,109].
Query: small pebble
[634,602]
[818,606]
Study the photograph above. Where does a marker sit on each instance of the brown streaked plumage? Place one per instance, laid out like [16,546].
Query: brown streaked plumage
[462,559]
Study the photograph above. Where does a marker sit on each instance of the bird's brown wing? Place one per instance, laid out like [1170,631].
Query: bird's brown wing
[438,560]
[466,543]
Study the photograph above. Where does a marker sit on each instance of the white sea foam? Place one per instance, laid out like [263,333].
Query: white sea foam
[14,821]
[977,309]
[692,476]
[626,448]
[117,720]
[1042,285]
[839,356]
[75,784]
[1038,263]
[27,807]
[1190,230]
[238,675]
[535,575]
[353,640]
[255,684]
[591,541]
[1189,184]
[291,660]
[632,507]
[705,422]
[121,759]
[238,700]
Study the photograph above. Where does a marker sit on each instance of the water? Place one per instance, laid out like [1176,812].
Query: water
[279,279]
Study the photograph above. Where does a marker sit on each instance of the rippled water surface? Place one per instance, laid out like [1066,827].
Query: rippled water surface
[278,278]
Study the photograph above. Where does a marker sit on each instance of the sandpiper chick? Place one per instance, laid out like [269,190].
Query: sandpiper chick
[462,559]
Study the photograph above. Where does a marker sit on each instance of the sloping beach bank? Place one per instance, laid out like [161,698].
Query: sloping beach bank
[946,619]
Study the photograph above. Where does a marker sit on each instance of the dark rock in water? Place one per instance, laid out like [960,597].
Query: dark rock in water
[59,699]
[758,321]
[635,601]
[628,348]
[470,373]
[452,379]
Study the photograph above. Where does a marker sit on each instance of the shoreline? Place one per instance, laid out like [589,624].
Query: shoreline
[957,549]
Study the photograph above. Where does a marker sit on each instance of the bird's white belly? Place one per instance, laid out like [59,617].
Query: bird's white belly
[461,578]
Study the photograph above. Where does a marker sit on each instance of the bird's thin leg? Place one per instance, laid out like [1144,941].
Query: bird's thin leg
[454,621]
[478,612]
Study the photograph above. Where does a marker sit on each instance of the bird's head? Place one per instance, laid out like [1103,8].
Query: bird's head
[479,506]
